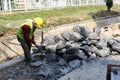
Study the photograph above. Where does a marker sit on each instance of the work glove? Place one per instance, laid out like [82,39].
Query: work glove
[33,42]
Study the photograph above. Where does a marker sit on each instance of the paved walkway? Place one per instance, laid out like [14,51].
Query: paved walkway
[92,70]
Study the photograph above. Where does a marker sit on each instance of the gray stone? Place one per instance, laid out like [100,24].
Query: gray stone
[74,64]
[97,30]
[40,48]
[63,50]
[44,43]
[76,45]
[51,47]
[82,55]
[92,42]
[93,55]
[70,57]
[84,42]
[103,52]
[98,53]
[93,36]
[36,64]
[65,70]
[66,35]
[86,50]
[50,55]
[76,36]
[57,38]
[60,45]
[106,51]
[62,62]
[84,62]
[84,31]
[117,39]
[107,39]
[35,50]
[77,29]
[116,46]
[72,50]
[114,53]
[93,48]
[49,41]
[69,44]
[110,42]
[44,71]
[101,44]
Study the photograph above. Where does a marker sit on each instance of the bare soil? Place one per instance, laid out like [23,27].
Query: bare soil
[8,32]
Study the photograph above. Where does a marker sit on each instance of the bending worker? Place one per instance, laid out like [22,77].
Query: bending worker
[25,36]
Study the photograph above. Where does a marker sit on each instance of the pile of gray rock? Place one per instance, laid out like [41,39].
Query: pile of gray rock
[64,53]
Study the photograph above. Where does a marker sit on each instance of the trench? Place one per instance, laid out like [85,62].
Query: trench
[66,48]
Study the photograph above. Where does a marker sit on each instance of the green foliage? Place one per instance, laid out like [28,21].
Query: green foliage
[1,28]
[43,1]
[69,11]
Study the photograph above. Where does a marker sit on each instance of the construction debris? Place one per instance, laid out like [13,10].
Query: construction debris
[65,53]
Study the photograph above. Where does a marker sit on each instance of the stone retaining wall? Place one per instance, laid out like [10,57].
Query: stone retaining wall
[8,50]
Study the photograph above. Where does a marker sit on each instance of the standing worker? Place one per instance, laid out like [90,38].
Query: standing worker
[25,35]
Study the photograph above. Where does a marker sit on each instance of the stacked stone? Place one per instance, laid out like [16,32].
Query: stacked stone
[67,52]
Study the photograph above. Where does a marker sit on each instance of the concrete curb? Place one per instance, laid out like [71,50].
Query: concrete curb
[14,61]
[11,62]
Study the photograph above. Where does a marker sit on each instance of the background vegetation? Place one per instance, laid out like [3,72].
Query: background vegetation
[58,16]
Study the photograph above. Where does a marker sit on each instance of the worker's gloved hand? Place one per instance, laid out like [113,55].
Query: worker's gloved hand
[34,42]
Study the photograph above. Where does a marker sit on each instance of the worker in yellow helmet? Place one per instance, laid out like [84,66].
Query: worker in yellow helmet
[25,35]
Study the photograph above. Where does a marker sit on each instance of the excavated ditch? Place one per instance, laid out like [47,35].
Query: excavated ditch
[62,54]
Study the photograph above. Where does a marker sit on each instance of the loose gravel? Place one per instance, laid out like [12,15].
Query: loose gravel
[90,70]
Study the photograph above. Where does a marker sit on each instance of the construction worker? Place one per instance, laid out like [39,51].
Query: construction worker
[25,35]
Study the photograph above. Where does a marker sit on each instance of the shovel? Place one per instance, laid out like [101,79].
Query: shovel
[40,48]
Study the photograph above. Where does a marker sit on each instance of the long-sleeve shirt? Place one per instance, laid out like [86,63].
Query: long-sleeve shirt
[26,31]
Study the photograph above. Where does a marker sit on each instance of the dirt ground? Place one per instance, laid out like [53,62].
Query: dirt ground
[8,32]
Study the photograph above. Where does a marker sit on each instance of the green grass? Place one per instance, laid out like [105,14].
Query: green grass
[59,15]
[69,11]
[1,29]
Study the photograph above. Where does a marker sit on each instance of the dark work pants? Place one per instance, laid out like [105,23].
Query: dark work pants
[26,48]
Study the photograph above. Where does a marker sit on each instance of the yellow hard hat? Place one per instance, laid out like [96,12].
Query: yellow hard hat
[38,21]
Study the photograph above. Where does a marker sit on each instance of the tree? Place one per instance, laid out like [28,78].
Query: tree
[0,4]
[109,4]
